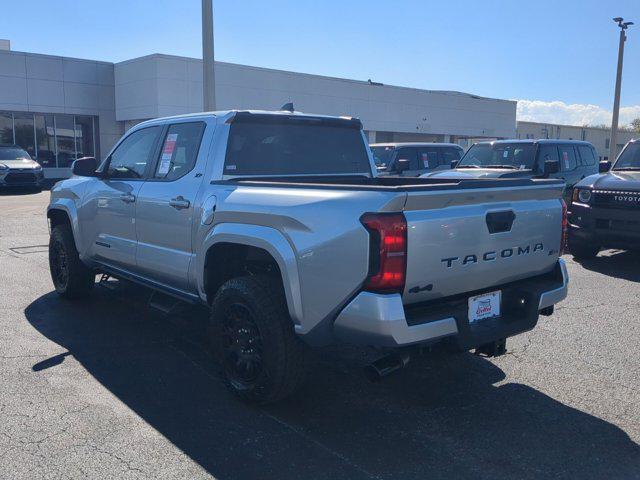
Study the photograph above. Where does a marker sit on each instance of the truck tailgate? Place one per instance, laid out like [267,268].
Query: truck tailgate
[471,239]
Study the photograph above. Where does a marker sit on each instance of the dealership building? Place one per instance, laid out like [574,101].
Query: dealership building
[60,108]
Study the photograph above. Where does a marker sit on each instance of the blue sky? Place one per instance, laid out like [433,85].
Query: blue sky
[557,56]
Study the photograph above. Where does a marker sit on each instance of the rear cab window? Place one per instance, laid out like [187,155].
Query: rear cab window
[288,146]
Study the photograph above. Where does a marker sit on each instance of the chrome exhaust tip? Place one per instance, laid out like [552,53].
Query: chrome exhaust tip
[386,365]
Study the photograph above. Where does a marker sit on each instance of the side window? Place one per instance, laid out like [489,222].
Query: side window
[567,158]
[411,155]
[546,152]
[130,158]
[428,158]
[449,155]
[179,150]
[587,155]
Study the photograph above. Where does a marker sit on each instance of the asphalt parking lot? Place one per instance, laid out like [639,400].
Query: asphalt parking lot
[108,388]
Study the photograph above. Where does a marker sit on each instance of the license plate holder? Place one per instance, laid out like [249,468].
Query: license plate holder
[485,306]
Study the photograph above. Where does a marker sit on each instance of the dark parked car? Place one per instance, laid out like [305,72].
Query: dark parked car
[414,159]
[606,208]
[17,169]
[569,160]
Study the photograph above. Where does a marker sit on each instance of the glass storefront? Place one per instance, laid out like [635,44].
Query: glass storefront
[54,140]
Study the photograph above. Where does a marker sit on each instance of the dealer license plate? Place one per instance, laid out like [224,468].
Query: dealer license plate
[484,306]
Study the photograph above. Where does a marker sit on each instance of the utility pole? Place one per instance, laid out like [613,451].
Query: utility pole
[208,73]
[616,99]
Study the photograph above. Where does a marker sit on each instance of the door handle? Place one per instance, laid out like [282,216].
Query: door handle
[179,202]
[127,198]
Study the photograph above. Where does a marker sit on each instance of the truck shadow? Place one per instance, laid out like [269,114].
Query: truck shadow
[621,264]
[444,417]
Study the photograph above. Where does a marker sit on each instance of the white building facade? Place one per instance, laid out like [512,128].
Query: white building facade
[60,108]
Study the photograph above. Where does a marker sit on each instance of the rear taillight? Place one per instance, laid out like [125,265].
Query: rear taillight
[565,229]
[387,251]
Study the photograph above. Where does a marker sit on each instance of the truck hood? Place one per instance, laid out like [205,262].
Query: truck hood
[481,173]
[20,163]
[627,181]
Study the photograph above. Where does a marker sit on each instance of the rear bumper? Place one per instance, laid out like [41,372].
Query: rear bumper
[383,321]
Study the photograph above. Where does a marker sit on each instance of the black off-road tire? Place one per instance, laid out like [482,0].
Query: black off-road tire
[249,319]
[582,250]
[72,279]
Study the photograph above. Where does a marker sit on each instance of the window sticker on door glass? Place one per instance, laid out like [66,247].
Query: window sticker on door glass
[505,154]
[565,157]
[167,153]
[425,160]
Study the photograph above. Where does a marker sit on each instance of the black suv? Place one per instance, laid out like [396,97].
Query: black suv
[605,211]
[569,160]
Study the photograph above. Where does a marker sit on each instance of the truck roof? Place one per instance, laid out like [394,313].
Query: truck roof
[532,141]
[226,114]
[414,144]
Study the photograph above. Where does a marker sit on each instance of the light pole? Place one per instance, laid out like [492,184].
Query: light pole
[208,74]
[616,99]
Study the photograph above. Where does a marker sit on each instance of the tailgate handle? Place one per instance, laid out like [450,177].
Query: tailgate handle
[499,222]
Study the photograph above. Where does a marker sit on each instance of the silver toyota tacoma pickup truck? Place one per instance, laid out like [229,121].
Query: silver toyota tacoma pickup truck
[279,223]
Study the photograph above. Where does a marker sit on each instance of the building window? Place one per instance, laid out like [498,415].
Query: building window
[85,146]
[6,128]
[65,140]
[54,140]
[24,133]
[45,140]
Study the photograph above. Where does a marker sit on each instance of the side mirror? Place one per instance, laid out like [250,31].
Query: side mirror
[454,163]
[84,167]
[402,165]
[551,167]
[604,167]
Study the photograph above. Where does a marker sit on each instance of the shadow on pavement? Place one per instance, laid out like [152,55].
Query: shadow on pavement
[441,418]
[10,191]
[621,264]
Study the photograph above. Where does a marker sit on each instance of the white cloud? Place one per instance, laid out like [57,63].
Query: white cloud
[572,114]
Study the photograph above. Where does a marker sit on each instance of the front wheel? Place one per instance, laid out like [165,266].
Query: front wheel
[252,336]
[71,278]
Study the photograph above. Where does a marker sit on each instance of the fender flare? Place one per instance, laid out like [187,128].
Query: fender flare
[266,238]
[68,206]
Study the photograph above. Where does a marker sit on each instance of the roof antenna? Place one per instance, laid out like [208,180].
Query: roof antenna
[288,107]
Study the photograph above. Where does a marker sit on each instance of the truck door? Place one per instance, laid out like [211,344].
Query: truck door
[165,210]
[108,210]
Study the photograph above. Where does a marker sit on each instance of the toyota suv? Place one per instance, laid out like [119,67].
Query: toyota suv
[605,212]
[414,159]
[18,169]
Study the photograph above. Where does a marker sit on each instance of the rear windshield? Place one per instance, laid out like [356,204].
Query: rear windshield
[382,155]
[275,148]
[13,153]
[629,159]
[506,155]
